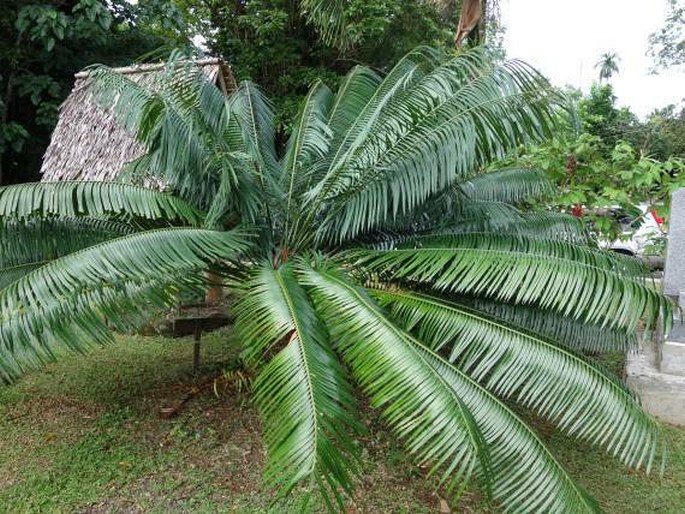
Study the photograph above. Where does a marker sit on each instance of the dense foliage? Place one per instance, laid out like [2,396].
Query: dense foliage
[605,156]
[366,250]
[275,44]
[284,45]
[42,45]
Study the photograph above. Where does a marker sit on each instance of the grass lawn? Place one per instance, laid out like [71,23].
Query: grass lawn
[85,435]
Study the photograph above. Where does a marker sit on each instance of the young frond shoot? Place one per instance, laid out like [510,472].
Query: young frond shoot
[370,250]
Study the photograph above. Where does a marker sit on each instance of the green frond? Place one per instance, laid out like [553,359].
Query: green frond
[452,212]
[407,72]
[94,199]
[114,90]
[546,225]
[510,185]
[308,142]
[179,116]
[244,155]
[357,87]
[27,244]
[537,373]
[71,297]
[433,421]
[445,123]
[125,307]
[310,136]
[254,112]
[10,273]
[579,336]
[302,391]
[570,280]
[534,245]
[553,225]
[524,475]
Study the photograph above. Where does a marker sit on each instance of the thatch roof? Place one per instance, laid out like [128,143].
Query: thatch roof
[89,144]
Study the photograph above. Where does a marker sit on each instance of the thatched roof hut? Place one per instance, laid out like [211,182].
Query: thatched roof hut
[89,144]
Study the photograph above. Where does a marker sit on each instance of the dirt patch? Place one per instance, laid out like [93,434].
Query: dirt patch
[111,507]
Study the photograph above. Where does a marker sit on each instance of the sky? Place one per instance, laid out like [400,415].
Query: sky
[564,39]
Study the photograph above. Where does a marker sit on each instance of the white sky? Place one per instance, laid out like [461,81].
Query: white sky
[564,39]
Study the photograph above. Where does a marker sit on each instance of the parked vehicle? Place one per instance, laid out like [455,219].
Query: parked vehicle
[642,233]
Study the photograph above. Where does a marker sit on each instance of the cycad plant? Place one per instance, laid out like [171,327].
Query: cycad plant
[369,256]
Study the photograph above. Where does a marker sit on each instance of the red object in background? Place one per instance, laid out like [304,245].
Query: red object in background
[577,210]
[657,218]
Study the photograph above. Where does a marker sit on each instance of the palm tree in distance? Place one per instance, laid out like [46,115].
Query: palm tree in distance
[608,65]
[369,253]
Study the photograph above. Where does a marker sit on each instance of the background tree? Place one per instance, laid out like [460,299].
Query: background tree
[608,65]
[605,156]
[282,44]
[667,45]
[601,117]
[663,133]
[273,43]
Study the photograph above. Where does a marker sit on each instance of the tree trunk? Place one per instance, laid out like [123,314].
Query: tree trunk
[471,12]
[215,290]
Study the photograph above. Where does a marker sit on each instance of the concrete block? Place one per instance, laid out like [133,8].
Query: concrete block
[674,272]
[673,358]
[661,394]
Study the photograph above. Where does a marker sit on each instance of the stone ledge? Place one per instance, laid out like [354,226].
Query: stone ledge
[673,357]
[662,394]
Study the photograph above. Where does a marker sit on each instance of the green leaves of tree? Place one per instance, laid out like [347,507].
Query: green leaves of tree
[42,199]
[71,300]
[302,391]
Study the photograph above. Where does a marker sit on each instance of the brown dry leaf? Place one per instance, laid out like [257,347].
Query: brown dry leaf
[444,507]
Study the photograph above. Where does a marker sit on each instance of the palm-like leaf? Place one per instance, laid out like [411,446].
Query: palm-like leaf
[559,276]
[309,142]
[509,185]
[92,199]
[550,379]
[429,140]
[525,477]
[579,336]
[34,242]
[306,400]
[187,126]
[66,298]
[423,389]
[434,421]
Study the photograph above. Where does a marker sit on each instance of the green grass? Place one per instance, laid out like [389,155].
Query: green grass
[85,435]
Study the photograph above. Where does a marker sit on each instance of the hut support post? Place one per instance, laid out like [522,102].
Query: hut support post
[196,345]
